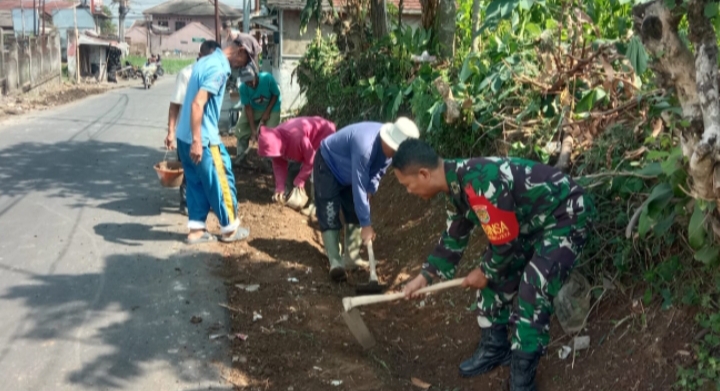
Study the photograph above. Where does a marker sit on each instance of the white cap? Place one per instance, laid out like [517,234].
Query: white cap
[395,133]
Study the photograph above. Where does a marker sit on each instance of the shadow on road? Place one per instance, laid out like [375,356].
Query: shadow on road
[108,175]
[141,320]
[131,234]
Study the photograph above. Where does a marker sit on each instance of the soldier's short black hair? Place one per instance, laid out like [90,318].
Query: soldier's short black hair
[415,154]
[208,47]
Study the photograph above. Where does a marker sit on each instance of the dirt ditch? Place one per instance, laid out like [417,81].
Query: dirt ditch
[288,333]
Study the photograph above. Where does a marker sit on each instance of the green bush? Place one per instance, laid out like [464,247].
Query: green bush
[546,69]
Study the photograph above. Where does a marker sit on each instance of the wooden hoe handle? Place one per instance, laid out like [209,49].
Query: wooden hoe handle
[352,302]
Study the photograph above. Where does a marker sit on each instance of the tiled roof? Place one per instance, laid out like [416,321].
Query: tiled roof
[191,8]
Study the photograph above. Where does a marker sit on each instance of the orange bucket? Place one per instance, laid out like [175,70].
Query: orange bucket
[170,173]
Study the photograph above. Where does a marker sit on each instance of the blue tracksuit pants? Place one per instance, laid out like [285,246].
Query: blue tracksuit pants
[210,184]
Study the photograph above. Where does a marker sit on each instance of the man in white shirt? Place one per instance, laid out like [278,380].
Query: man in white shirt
[176,101]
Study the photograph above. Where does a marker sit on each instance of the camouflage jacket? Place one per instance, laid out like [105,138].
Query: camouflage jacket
[514,200]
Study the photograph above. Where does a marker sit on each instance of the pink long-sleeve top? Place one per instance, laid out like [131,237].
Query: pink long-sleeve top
[298,140]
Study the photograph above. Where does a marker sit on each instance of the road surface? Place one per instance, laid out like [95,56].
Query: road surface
[97,289]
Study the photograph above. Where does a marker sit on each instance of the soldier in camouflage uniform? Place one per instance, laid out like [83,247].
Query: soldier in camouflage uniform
[536,220]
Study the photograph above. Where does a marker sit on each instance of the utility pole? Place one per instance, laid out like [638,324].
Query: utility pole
[42,17]
[217,23]
[77,47]
[246,17]
[123,10]
[22,16]
[35,17]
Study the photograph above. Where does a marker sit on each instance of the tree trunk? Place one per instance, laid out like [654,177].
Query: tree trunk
[475,25]
[378,12]
[401,6]
[445,23]
[694,77]
[429,10]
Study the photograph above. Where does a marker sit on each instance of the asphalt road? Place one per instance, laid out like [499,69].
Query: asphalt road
[96,287]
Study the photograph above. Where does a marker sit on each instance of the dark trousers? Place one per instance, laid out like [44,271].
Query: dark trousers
[331,198]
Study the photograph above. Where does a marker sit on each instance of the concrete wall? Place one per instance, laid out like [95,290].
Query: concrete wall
[293,42]
[63,39]
[292,99]
[294,46]
[30,63]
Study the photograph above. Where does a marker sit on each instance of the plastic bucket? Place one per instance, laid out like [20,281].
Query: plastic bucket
[170,173]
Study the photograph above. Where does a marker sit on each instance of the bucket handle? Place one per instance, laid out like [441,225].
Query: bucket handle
[165,158]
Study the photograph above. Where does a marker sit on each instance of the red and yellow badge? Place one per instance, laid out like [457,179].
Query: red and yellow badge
[482,213]
[500,226]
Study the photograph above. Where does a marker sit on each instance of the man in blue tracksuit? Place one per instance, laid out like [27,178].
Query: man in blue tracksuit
[346,172]
[206,163]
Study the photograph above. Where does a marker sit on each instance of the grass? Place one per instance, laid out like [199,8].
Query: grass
[171,65]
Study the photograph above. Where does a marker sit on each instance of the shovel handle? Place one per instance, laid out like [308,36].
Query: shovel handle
[352,302]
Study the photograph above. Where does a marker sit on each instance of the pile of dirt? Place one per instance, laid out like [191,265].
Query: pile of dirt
[53,96]
[289,334]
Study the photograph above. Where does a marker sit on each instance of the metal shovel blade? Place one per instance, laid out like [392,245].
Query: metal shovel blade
[371,288]
[357,327]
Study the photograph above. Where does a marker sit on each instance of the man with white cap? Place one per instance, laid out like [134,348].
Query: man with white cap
[346,172]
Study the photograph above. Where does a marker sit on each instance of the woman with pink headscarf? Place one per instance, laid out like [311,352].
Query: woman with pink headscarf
[295,140]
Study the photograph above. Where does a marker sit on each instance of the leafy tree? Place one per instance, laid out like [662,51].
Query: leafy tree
[693,75]
[107,26]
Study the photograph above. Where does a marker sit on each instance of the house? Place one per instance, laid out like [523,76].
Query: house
[287,45]
[64,21]
[145,38]
[94,54]
[176,14]
[25,19]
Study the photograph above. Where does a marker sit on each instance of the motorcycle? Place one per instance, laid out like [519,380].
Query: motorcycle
[160,71]
[149,75]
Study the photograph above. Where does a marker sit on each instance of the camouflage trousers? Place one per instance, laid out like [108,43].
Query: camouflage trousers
[534,269]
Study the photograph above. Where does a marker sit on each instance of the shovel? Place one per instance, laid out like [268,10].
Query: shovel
[354,320]
[373,286]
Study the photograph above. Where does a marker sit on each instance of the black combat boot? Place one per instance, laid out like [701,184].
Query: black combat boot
[522,371]
[493,350]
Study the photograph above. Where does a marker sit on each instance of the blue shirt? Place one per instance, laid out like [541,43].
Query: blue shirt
[354,155]
[210,73]
[259,97]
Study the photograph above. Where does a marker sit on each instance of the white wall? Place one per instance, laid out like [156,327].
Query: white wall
[291,97]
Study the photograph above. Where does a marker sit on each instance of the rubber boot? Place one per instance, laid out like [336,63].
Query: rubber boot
[353,242]
[522,371]
[492,351]
[309,211]
[331,241]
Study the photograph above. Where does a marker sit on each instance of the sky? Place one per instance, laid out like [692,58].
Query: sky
[138,6]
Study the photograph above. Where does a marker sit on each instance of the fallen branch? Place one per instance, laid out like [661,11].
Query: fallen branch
[615,173]
[565,151]
[231,308]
